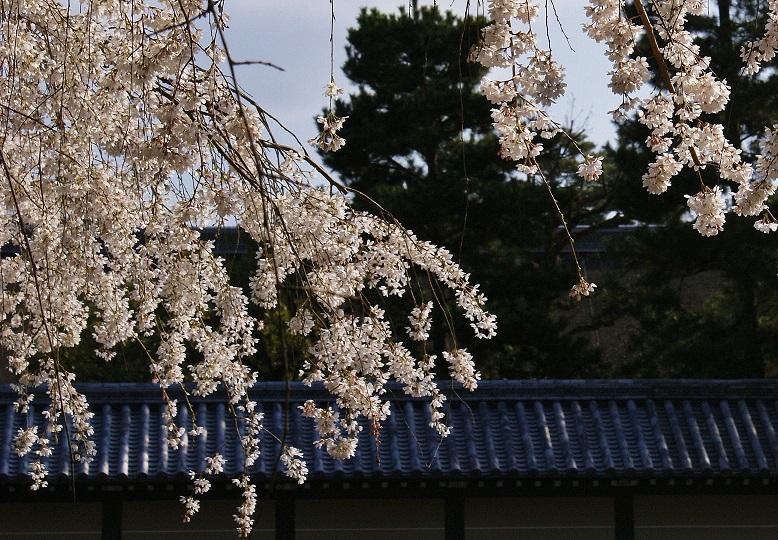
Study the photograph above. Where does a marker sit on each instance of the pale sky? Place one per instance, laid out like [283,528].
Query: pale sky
[294,34]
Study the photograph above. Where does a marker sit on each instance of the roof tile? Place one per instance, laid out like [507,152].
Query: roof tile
[515,429]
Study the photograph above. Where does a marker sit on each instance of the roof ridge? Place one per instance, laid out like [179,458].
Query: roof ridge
[550,389]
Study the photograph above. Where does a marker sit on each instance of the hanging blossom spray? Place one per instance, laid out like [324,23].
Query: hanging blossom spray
[536,82]
[679,136]
[119,144]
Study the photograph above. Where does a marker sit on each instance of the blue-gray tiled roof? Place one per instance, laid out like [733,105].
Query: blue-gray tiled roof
[505,429]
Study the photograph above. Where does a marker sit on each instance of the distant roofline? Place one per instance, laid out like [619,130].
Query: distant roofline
[553,389]
[238,246]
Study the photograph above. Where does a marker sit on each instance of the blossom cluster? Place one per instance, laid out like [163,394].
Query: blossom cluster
[708,206]
[582,288]
[610,26]
[680,136]
[754,53]
[329,140]
[537,81]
